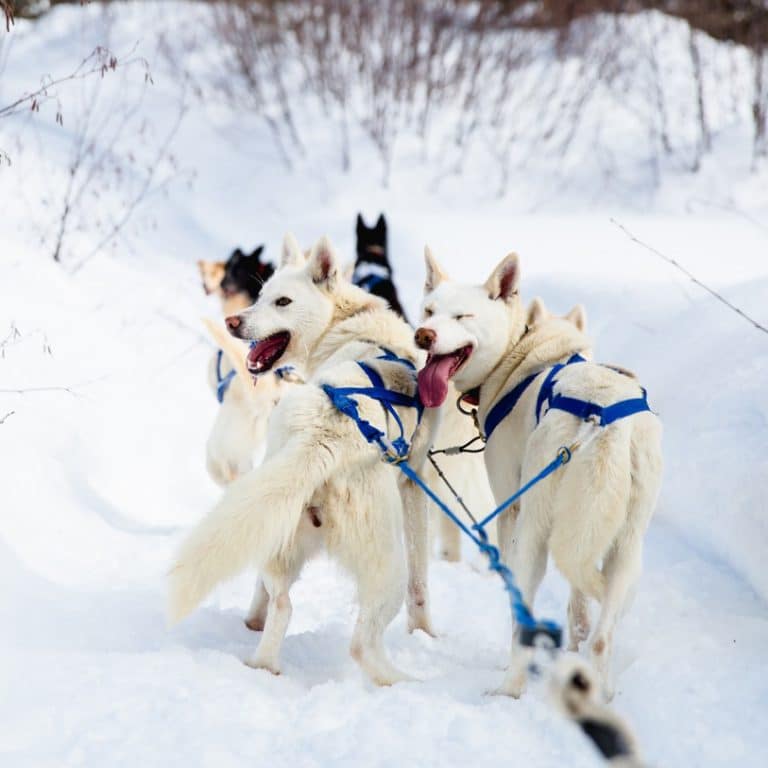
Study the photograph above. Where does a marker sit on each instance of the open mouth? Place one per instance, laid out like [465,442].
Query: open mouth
[266,352]
[434,376]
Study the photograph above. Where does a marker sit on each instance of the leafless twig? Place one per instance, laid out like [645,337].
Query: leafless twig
[691,277]
[100,61]
[27,390]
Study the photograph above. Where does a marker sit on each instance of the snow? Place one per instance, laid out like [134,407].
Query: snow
[100,482]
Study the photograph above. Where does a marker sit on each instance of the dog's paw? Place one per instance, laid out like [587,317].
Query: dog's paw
[421,623]
[418,618]
[512,686]
[255,623]
[392,678]
[266,665]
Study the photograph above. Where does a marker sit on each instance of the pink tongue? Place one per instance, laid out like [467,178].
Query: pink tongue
[433,380]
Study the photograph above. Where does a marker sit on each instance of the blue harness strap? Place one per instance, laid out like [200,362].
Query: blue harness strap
[545,393]
[585,409]
[343,399]
[582,409]
[506,405]
[368,283]
[222,382]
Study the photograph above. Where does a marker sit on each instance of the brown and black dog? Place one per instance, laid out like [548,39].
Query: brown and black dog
[238,280]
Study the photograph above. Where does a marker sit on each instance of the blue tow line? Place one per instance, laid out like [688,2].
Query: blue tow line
[530,629]
[396,453]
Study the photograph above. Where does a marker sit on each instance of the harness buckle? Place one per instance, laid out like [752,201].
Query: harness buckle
[566,452]
[390,454]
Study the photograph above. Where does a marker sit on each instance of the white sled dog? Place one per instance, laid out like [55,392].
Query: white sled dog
[321,483]
[591,514]
[240,427]
[466,471]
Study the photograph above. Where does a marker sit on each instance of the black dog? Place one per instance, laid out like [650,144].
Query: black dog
[246,273]
[372,269]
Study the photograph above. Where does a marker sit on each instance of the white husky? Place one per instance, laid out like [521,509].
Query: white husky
[466,471]
[591,514]
[321,483]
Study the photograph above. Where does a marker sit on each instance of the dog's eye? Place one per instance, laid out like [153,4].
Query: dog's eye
[428,313]
[283,301]
[462,317]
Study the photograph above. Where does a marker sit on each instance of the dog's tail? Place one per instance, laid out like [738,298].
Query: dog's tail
[592,508]
[234,349]
[255,522]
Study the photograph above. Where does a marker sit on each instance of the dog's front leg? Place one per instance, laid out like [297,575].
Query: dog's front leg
[415,518]
[417,555]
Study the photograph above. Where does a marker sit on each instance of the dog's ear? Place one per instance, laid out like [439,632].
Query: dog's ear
[537,312]
[435,274]
[323,265]
[291,255]
[381,223]
[360,226]
[257,252]
[503,282]
[578,316]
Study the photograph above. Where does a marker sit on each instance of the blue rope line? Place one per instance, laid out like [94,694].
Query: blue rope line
[397,452]
[530,628]
[563,457]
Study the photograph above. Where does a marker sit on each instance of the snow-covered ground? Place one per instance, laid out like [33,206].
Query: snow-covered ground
[103,465]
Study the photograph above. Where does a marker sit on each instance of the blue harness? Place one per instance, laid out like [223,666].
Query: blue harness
[370,282]
[343,399]
[222,382]
[582,409]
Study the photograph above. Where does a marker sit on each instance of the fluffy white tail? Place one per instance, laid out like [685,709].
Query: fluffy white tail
[255,521]
[234,349]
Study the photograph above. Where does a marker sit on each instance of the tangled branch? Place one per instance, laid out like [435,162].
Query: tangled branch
[100,61]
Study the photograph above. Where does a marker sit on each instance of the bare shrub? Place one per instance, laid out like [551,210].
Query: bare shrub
[115,153]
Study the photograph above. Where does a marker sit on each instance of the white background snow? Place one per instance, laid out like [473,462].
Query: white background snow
[99,482]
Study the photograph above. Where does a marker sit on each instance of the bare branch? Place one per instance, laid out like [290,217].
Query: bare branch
[691,277]
[27,390]
[100,61]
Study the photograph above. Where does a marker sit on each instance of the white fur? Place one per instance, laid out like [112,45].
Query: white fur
[318,467]
[590,515]
[240,426]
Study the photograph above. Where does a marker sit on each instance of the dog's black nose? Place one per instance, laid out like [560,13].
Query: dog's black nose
[233,322]
[425,338]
